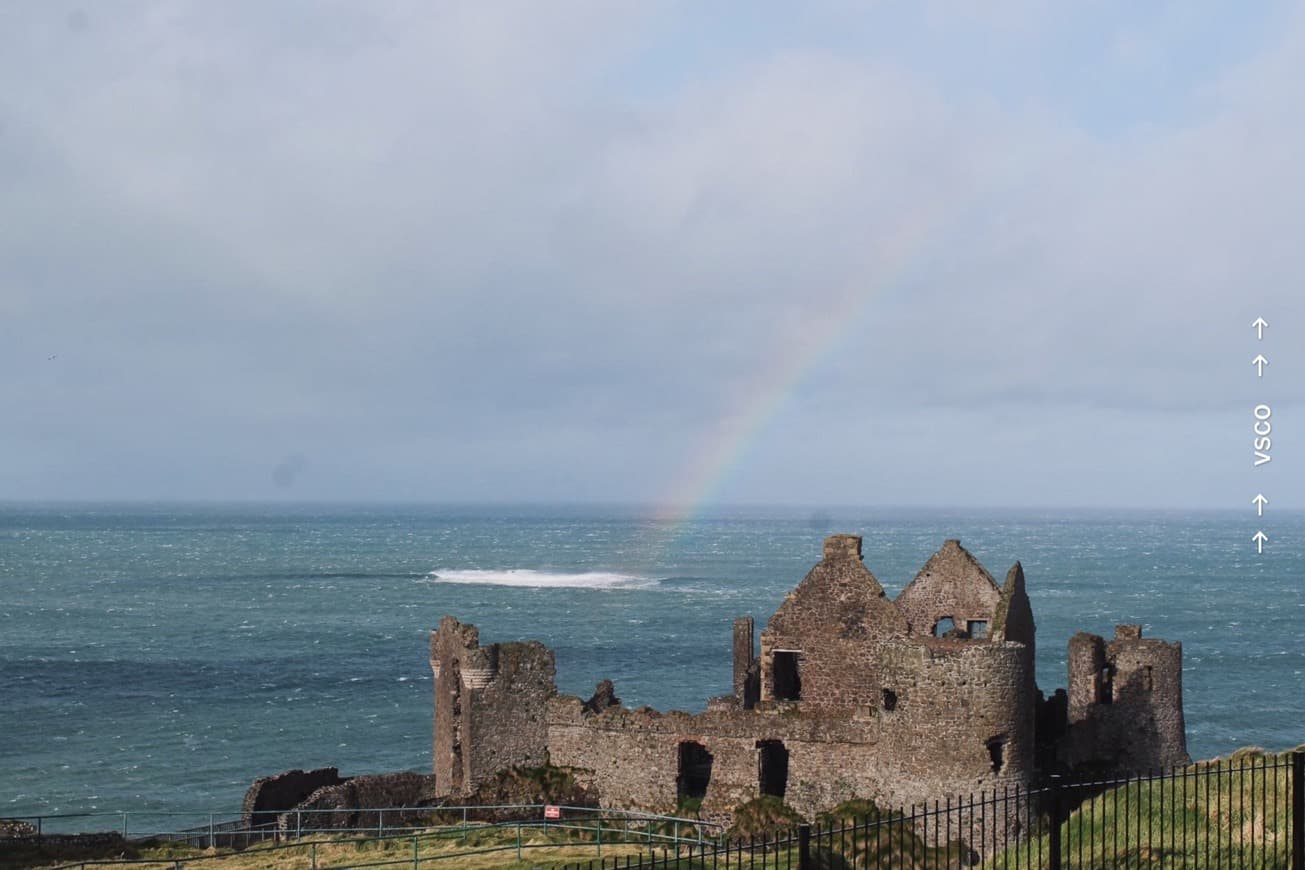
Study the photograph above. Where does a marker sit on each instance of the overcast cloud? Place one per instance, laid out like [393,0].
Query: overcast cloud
[885,253]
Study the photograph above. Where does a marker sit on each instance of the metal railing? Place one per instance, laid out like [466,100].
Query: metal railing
[1246,812]
[394,829]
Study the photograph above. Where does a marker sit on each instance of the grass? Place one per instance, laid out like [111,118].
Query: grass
[1221,813]
[497,848]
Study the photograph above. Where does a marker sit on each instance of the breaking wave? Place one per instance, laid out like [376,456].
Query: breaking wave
[544,579]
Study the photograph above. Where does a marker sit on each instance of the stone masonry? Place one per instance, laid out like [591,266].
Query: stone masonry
[853,695]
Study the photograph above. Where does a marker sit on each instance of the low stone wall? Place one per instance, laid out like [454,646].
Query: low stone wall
[105,840]
[270,795]
[344,805]
[10,828]
[30,850]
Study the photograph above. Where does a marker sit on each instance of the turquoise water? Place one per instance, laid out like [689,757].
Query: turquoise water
[162,657]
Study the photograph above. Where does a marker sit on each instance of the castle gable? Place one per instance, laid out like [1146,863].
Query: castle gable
[953,595]
[820,646]
[839,598]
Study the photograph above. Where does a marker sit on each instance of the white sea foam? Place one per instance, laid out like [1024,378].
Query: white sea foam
[544,579]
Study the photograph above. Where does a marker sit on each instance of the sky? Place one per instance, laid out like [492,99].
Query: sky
[676,254]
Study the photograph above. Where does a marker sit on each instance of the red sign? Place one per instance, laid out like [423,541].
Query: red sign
[552,812]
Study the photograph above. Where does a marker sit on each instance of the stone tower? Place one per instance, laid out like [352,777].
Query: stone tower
[490,706]
[1125,710]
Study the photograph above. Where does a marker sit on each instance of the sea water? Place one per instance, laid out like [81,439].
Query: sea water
[162,657]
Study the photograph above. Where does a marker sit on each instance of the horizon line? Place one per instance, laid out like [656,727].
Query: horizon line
[649,505]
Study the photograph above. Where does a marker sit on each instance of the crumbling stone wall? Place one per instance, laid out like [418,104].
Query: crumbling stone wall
[344,805]
[631,757]
[12,828]
[53,849]
[952,584]
[490,705]
[830,622]
[955,698]
[853,696]
[1013,617]
[269,795]
[1125,704]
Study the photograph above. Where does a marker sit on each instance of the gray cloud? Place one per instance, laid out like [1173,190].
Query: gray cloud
[450,252]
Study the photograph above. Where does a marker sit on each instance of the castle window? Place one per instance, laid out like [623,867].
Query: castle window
[1147,684]
[695,770]
[890,700]
[772,767]
[785,682]
[995,747]
[944,625]
[977,628]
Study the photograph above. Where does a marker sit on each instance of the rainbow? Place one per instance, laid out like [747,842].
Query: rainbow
[891,263]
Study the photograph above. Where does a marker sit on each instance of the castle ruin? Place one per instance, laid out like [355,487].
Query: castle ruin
[854,695]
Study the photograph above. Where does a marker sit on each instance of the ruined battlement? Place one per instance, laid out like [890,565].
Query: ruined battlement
[1124,704]
[852,695]
[487,705]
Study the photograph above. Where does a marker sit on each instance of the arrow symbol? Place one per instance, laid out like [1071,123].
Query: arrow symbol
[1259,539]
[1259,362]
[1259,325]
[1259,501]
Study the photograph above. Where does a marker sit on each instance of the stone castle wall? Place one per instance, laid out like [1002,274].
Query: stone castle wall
[831,623]
[852,697]
[269,795]
[913,752]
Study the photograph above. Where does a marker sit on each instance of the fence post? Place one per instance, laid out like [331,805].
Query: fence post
[804,847]
[1053,833]
[1298,811]
[314,859]
[415,860]
[380,823]
[211,845]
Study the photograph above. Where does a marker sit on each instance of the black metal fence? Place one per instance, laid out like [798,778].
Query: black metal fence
[1244,812]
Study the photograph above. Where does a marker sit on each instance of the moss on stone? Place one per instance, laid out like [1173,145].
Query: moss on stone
[545,784]
[761,815]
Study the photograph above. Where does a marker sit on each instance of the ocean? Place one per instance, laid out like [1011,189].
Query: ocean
[160,657]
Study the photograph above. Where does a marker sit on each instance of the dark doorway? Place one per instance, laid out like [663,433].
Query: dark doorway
[772,765]
[784,675]
[695,770]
